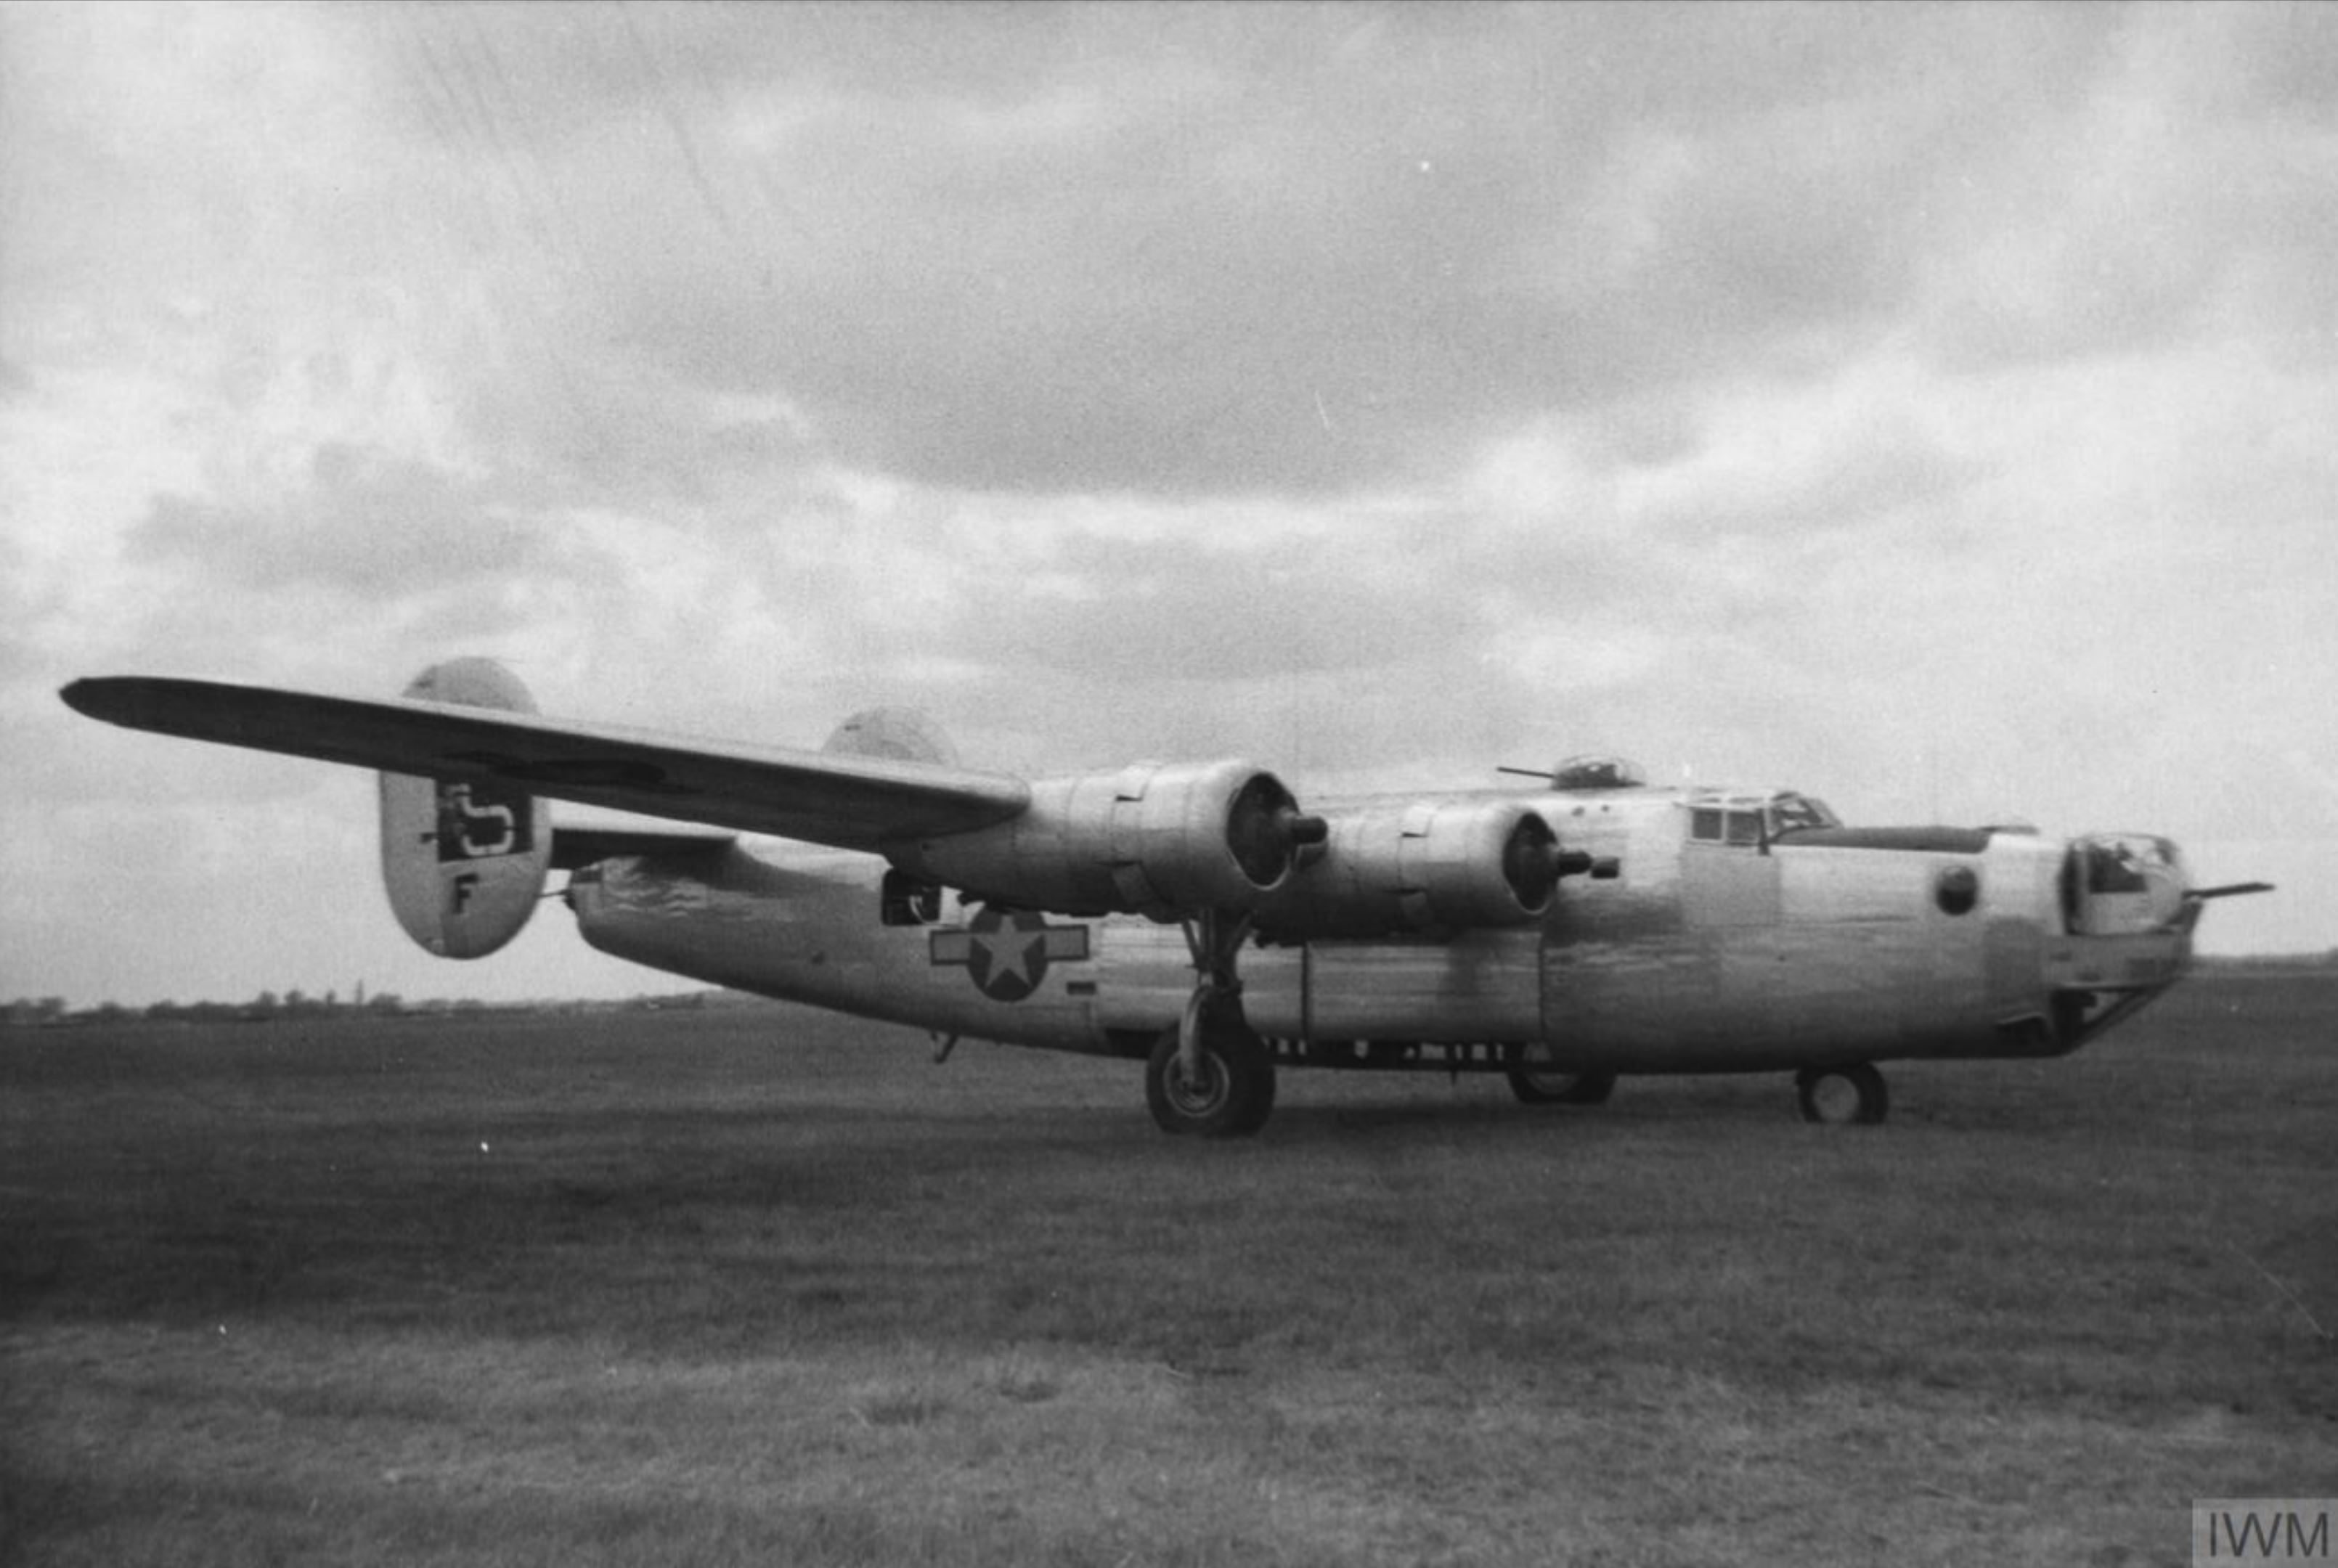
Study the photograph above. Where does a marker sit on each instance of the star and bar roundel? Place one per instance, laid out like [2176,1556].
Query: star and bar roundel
[1008,953]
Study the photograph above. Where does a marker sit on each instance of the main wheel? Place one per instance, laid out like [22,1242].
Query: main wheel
[1843,1096]
[1231,1097]
[1550,1088]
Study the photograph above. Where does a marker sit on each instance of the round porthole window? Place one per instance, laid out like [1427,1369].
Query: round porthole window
[1957,890]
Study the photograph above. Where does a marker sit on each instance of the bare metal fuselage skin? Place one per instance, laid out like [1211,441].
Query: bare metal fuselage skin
[1702,951]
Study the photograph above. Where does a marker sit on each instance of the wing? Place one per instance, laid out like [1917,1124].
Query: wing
[852,802]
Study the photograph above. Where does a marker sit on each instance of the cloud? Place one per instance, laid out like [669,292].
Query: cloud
[363,523]
[1301,264]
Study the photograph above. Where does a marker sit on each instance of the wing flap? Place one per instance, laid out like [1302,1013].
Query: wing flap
[848,801]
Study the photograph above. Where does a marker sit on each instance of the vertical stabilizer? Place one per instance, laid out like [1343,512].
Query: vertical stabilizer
[464,860]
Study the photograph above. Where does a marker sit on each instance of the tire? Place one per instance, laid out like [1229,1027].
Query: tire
[1556,1088]
[1852,1096]
[1234,1096]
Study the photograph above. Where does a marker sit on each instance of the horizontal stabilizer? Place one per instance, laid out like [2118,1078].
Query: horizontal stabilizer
[575,846]
[853,802]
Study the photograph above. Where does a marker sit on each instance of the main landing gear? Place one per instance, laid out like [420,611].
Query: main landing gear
[1229,1094]
[1851,1095]
[1212,1076]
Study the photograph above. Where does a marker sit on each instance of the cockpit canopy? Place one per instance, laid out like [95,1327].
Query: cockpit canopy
[1753,815]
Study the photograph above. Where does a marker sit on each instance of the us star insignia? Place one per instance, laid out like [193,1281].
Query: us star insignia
[1008,953]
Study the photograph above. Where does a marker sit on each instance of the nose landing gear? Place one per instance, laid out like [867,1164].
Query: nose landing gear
[1851,1095]
[1551,1086]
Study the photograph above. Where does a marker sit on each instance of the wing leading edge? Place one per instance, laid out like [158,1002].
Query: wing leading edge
[851,802]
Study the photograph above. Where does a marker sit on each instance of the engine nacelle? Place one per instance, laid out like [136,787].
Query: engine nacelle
[1423,866]
[462,860]
[1162,840]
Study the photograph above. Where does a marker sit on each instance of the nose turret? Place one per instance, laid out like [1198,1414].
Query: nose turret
[2124,883]
[2128,911]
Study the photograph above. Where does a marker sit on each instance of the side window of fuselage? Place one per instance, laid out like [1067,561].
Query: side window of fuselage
[906,901]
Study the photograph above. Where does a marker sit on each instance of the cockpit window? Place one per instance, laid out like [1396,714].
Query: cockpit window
[1754,818]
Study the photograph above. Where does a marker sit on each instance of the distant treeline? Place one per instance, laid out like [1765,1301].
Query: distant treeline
[268,1007]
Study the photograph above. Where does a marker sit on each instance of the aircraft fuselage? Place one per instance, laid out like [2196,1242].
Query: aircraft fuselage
[1715,941]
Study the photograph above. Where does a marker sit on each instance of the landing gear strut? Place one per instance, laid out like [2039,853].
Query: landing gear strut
[1210,1076]
[1843,1096]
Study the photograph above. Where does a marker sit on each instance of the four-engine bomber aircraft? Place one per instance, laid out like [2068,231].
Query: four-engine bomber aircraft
[1194,917]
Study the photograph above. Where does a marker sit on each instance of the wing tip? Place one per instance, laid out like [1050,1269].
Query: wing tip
[87,696]
[133,702]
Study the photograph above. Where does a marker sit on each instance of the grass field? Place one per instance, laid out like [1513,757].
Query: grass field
[762,1286]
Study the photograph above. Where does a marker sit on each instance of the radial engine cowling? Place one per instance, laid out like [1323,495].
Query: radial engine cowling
[1423,866]
[1162,840]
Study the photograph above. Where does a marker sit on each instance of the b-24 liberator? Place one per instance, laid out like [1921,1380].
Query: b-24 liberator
[1194,917]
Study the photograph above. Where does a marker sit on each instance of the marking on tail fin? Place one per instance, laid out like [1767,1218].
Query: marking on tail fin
[478,821]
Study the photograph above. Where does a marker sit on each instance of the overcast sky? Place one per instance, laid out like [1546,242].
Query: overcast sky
[1932,409]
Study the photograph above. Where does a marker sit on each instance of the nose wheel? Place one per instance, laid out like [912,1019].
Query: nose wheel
[1556,1088]
[1846,1097]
